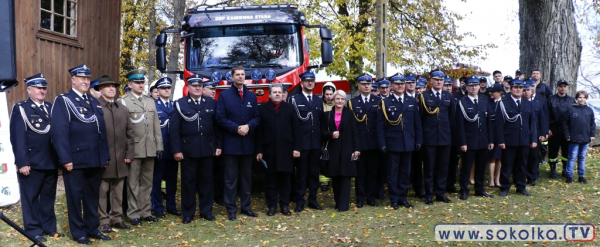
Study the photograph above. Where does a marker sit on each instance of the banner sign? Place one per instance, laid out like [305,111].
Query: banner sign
[9,185]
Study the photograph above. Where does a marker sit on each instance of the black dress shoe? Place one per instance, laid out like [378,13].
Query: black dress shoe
[532,182]
[186,220]
[406,204]
[231,216]
[463,196]
[443,199]
[395,206]
[523,192]
[298,209]
[40,238]
[286,211]
[208,217]
[250,213]
[160,214]
[451,189]
[136,222]
[271,211]
[429,201]
[151,219]
[105,228]
[483,194]
[55,235]
[324,188]
[174,212]
[121,225]
[360,204]
[504,193]
[372,204]
[100,236]
[84,240]
[315,206]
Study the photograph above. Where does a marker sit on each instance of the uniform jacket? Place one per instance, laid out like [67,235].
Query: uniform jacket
[199,137]
[341,149]
[477,134]
[277,136]
[579,124]
[119,132]
[311,127]
[522,132]
[146,132]
[232,112]
[164,114]
[31,148]
[367,129]
[543,89]
[437,127]
[404,136]
[541,114]
[558,107]
[84,144]
[492,116]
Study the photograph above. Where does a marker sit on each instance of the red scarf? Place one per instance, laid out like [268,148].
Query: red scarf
[276,106]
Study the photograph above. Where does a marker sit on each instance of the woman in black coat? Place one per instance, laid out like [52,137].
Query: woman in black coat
[341,139]
[277,142]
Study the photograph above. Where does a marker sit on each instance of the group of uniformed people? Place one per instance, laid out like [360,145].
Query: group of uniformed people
[406,136]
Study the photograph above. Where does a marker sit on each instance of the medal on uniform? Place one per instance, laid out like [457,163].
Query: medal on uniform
[189,101]
[77,99]
[37,125]
[32,106]
[47,116]
[87,102]
[32,121]
[40,120]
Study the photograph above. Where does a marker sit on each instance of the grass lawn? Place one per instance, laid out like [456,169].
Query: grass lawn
[552,201]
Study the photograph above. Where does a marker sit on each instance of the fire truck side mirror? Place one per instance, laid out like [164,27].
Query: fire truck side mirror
[161,39]
[325,34]
[326,52]
[161,58]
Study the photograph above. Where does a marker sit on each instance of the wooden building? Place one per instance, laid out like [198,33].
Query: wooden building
[53,36]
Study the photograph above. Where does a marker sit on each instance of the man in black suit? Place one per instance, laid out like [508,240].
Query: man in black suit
[277,144]
[364,108]
[516,125]
[238,117]
[36,159]
[474,137]
[79,138]
[541,114]
[398,135]
[195,141]
[437,112]
[308,108]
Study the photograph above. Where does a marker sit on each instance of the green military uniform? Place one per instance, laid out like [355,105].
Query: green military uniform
[148,141]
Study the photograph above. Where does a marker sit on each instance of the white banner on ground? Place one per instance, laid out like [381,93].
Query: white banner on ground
[9,185]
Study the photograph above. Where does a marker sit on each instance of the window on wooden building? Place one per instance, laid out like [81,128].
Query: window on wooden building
[59,16]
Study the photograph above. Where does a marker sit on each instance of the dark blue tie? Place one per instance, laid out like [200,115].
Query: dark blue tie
[310,100]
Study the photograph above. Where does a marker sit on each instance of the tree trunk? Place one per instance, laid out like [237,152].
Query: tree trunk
[549,41]
[173,63]
[151,38]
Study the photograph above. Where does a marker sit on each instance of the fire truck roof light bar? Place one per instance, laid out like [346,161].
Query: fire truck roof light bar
[198,10]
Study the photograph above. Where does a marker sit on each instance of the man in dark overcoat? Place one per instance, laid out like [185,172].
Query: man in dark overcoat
[278,143]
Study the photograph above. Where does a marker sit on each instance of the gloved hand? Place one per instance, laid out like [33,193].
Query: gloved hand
[159,155]
[383,149]
[417,147]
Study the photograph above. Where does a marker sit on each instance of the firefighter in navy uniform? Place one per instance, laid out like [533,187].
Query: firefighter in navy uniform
[79,137]
[416,169]
[558,105]
[398,134]
[308,107]
[364,107]
[165,168]
[516,127]
[541,114]
[36,159]
[195,141]
[454,154]
[437,112]
[384,88]
[474,136]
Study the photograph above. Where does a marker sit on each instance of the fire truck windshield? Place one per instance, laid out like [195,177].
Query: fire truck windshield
[248,46]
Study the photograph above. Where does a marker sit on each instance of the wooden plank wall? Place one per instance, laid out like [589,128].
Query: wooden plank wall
[97,45]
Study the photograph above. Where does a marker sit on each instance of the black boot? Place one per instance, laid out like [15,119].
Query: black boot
[564,172]
[569,180]
[552,169]
[583,180]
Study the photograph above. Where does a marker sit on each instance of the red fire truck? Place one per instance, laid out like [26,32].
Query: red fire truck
[268,41]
